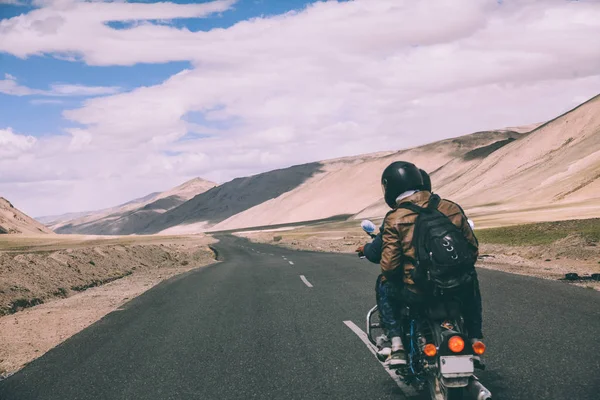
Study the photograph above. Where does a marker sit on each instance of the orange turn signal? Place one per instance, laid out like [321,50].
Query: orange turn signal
[456,344]
[430,350]
[479,348]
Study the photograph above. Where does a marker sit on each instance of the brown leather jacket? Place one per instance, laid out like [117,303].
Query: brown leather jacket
[398,228]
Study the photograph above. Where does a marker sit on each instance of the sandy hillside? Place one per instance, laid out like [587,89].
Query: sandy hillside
[558,163]
[35,269]
[307,192]
[551,173]
[132,216]
[231,198]
[60,284]
[507,176]
[501,177]
[347,186]
[14,221]
[56,221]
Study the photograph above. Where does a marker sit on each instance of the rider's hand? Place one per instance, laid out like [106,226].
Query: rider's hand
[360,250]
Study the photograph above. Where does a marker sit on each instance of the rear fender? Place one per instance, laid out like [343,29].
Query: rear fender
[441,337]
[455,382]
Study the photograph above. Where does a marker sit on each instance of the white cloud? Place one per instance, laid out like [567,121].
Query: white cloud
[12,144]
[67,26]
[80,139]
[10,86]
[334,79]
[82,90]
[37,102]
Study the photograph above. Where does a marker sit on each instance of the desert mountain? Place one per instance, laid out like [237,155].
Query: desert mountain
[550,170]
[348,185]
[56,221]
[14,221]
[312,191]
[555,170]
[132,216]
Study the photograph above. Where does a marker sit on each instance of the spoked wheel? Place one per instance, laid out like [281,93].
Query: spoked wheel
[438,392]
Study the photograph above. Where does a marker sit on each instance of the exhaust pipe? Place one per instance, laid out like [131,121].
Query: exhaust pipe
[478,391]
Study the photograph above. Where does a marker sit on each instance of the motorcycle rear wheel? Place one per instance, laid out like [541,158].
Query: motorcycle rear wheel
[437,392]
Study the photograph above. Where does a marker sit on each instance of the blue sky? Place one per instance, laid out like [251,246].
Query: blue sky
[102,102]
[40,71]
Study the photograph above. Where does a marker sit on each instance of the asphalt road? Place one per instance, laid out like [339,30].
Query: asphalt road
[250,327]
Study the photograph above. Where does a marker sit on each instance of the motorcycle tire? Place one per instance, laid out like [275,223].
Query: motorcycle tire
[438,393]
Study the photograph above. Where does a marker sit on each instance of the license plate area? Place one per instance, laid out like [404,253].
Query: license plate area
[456,366]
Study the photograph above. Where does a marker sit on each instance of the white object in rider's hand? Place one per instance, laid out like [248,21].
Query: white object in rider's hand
[471,224]
[368,226]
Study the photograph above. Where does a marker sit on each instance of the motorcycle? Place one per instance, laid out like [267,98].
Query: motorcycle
[440,357]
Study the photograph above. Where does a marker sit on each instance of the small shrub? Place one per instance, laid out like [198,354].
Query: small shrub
[277,238]
[20,304]
[93,263]
[185,262]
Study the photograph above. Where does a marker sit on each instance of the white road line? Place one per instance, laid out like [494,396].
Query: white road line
[306,282]
[408,391]
[291,262]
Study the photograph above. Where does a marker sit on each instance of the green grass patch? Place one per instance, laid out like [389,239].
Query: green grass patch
[541,233]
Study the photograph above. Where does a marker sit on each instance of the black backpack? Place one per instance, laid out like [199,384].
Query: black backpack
[444,257]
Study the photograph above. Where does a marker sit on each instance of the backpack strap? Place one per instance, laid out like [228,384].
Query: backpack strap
[411,206]
[434,202]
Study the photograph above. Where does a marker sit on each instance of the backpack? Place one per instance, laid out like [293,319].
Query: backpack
[444,257]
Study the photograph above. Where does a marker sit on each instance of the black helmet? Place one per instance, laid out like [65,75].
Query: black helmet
[426,181]
[399,177]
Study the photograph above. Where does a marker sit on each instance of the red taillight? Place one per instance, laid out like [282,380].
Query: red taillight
[456,344]
[430,350]
[478,348]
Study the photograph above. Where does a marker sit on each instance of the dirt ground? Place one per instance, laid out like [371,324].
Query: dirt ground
[549,261]
[51,289]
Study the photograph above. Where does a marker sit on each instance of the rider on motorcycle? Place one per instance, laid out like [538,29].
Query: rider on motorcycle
[402,183]
[385,293]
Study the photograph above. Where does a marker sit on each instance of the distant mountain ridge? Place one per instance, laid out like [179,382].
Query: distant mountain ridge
[553,167]
[13,221]
[56,221]
[127,218]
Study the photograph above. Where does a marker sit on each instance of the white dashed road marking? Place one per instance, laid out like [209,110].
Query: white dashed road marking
[306,282]
[363,336]
[291,262]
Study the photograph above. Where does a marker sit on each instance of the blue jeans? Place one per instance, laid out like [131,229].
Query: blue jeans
[389,301]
